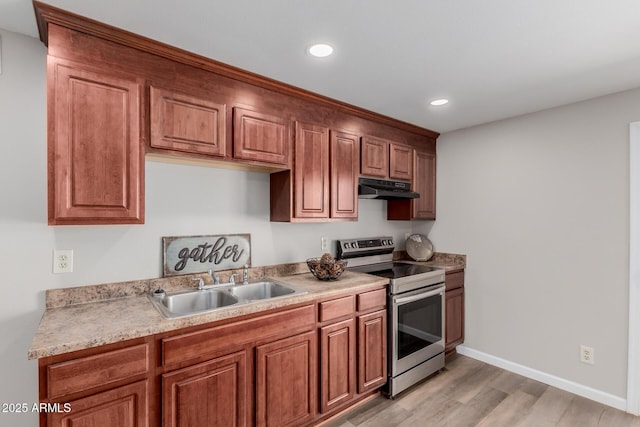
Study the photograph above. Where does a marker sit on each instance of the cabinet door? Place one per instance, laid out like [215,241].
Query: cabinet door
[454,312]
[188,124]
[124,406]
[372,350]
[400,162]
[424,182]
[212,393]
[337,365]
[345,158]
[95,156]
[311,186]
[260,137]
[374,157]
[286,386]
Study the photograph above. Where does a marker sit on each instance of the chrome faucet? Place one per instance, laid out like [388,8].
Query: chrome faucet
[245,275]
[200,283]
[232,279]
[214,276]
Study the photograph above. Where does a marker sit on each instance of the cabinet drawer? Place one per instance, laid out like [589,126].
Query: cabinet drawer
[201,343]
[336,308]
[454,280]
[372,299]
[88,372]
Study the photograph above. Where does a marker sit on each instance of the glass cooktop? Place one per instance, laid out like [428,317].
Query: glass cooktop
[394,270]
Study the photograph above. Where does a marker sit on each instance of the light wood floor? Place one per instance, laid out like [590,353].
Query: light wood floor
[472,393]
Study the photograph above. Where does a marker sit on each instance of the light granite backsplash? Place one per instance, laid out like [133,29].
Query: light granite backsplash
[107,291]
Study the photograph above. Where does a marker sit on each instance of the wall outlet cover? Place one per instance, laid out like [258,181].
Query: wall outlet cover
[63,261]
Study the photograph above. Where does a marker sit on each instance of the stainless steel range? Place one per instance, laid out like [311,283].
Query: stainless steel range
[415,304]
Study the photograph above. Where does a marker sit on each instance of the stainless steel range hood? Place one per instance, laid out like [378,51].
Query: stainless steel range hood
[369,188]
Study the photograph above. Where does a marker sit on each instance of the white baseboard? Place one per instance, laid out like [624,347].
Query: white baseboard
[561,383]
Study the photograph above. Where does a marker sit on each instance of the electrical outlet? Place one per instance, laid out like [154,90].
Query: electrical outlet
[324,245]
[587,355]
[63,261]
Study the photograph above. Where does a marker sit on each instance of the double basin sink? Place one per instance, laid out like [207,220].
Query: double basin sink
[188,303]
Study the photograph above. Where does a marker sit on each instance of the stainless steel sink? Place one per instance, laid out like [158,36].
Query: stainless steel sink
[192,302]
[260,290]
[211,298]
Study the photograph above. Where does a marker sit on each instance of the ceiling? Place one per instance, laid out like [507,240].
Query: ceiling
[492,59]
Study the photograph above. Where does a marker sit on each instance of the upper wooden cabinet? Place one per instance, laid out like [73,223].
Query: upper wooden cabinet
[400,162]
[385,159]
[185,123]
[112,95]
[323,183]
[374,159]
[95,158]
[345,158]
[260,137]
[311,185]
[424,183]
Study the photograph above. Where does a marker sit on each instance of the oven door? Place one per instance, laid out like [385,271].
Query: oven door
[416,327]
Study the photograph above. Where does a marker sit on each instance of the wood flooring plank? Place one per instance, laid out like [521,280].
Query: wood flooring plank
[471,393]
[533,387]
[510,411]
[394,415]
[472,413]
[614,418]
[370,410]
[548,409]
[507,382]
[433,413]
[581,412]
[464,389]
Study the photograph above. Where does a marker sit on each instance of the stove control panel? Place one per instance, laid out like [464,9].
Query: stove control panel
[365,246]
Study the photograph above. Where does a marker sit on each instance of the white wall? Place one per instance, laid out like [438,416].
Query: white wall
[540,206]
[180,200]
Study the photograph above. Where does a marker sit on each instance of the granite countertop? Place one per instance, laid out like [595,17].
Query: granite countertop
[118,312]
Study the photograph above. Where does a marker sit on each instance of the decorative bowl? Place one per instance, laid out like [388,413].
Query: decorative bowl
[326,270]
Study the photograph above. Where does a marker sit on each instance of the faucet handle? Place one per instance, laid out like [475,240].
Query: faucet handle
[200,283]
[245,274]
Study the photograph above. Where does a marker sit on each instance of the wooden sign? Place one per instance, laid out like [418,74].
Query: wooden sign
[196,254]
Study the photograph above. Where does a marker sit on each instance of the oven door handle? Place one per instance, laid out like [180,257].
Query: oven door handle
[412,298]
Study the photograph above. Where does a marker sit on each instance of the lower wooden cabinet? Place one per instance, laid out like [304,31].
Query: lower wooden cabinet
[211,394]
[337,365]
[286,381]
[125,406]
[372,351]
[454,310]
[287,367]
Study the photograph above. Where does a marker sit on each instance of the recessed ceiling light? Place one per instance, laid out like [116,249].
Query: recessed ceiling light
[320,50]
[438,102]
